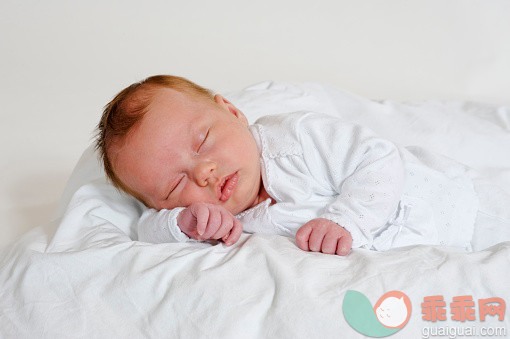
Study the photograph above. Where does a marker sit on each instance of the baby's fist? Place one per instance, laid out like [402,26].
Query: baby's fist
[203,221]
[323,235]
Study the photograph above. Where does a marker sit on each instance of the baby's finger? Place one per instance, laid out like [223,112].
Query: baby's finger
[227,223]
[213,224]
[315,241]
[201,213]
[302,237]
[344,245]
[235,232]
[329,243]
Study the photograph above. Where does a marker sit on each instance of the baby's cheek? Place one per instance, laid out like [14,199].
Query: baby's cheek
[193,193]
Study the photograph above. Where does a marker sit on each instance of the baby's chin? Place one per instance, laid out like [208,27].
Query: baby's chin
[235,209]
[238,207]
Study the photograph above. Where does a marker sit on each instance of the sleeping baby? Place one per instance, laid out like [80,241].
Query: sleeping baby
[205,174]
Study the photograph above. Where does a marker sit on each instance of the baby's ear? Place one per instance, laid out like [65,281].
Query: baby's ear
[220,100]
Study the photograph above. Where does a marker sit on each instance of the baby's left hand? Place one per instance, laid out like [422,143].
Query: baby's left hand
[323,235]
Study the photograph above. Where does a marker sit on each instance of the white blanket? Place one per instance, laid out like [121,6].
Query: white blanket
[85,275]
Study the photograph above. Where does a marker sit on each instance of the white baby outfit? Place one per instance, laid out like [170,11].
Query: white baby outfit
[317,166]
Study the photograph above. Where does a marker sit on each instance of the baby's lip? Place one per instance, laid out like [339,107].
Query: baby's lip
[226,186]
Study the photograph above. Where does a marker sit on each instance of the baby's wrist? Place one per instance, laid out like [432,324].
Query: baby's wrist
[322,219]
[173,227]
[184,220]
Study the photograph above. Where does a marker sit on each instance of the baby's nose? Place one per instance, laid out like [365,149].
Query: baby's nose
[204,171]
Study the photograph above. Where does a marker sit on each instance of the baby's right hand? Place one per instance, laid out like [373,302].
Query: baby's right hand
[204,221]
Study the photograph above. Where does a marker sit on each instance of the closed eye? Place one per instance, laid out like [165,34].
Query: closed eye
[203,141]
[174,187]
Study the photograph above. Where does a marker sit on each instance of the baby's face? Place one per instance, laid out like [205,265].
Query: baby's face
[189,150]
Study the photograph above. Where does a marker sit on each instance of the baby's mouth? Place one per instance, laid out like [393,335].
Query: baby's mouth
[227,186]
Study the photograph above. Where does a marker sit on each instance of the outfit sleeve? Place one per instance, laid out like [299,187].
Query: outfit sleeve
[161,226]
[366,172]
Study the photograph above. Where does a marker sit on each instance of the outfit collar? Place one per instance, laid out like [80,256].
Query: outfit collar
[260,209]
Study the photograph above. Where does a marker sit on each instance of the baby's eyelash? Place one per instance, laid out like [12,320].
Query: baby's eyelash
[203,141]
[175,186]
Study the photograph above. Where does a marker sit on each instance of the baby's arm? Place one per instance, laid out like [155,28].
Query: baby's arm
[365,171]
[185,224]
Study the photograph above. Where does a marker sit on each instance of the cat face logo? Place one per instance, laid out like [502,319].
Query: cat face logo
[390,313]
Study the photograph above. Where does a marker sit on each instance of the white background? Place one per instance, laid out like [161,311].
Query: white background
[62,61]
